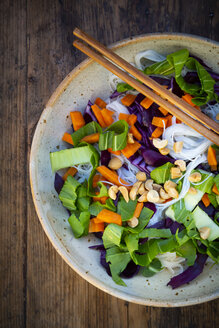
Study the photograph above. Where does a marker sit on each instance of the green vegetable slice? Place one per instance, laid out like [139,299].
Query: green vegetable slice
[188,251]
[143,220]
[115,136]
[126,210]
[80,225]
[96,207]
[112,235]
[68,194]
[86,130]
[206,183]
[118,260]
[69,157]
[155,233]
[162,173]
[154,267]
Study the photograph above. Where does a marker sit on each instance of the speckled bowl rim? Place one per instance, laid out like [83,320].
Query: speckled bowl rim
[53,237]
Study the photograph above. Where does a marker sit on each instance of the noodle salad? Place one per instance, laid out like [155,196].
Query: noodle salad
[143,182]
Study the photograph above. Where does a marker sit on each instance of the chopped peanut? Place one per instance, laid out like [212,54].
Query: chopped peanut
[115,163]
[173,193]
[181,163]
[149,184]
[133,222]
[159,143]
[113,191]
[143,197]
[169,184]
[177,146]
[124,192]
[164,151]
[153,196]
[192,191]
[175,172]
[130,139]
[204,232]
[195,177]
[141,176]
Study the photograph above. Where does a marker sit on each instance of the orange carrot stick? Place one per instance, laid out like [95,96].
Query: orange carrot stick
[111,176]
[92,138]
[212,161]
[100,103]
[188,98]
[163,110]
[132,119]
[116,152]
[67,138]
[96,227]
[131,149]
[146,102]
[107,116]
[98,114]
[160,122]
[169,118]
[96,179]
[205,200]
[72,171]
[138,210]
[135,132]
[109,217]
[102,199]
[77,120]
[128,99]
[124,117]
[215,190]
[157,133]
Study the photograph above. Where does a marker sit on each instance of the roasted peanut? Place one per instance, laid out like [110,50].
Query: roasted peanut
[195,177]
[133,193]
[169,184]
[163,194]
[192,191]
[181,163]
[178,146]
[130,139]
[113,191]
[157,187]
[153,196]
[141,176]
[115,163]
[173,193]
[175,172]
[164,151]
[133,222]
[124,192]
[141,189]
[143,197]
[159,143]
[149,184]
[204,232]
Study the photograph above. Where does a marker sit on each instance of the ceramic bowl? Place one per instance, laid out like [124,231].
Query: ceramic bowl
[88,81]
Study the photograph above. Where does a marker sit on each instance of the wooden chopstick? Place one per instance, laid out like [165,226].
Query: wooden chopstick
[147,92]
[180,103]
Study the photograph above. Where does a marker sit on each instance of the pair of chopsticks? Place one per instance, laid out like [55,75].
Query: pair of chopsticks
[163,97]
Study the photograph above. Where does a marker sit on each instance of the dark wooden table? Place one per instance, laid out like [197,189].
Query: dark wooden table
[38,289]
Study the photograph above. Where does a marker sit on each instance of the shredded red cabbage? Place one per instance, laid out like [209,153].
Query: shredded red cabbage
[190,273]
[88,113]
[154,158]
[105,157]
[58,183]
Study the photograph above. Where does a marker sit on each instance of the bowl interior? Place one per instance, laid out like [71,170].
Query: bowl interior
[88,81]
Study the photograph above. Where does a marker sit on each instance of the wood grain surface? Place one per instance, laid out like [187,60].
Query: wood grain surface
[37,288]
